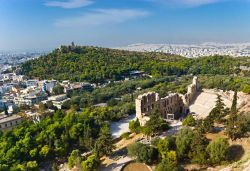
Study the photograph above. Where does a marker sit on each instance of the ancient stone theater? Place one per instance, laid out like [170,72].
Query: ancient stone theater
[170,107]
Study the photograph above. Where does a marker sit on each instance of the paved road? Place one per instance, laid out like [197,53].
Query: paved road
[118,128]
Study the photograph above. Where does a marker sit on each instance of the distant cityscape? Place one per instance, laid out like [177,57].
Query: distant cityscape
[8,59]
[194,50]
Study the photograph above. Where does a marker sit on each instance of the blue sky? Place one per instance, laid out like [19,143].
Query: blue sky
[46,24]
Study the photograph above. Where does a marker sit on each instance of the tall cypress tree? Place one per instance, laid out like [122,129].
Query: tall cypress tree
[104,144]
[219,104]
[237,125]
[218,111]
[234,104]
[197,151]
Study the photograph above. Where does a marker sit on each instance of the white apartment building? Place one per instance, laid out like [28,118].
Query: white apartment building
[30,83]
[58,100]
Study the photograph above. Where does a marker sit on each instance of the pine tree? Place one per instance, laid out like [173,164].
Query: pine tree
[237,125]
[198,148]
[87,137]
[234,104]
[104,144]
[218,111]
[155,125]
[219,104]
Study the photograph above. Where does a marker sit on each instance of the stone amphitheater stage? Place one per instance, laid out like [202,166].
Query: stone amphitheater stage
[205,101]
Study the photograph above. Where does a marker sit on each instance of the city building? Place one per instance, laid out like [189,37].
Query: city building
[2,104]
[37,116]
[47,85]
[9,122]
[30,83]
[58,100]
[70,88]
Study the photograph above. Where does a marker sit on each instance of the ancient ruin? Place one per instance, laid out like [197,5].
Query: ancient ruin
[171,107]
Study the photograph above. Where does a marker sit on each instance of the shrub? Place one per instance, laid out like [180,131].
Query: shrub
[90,164]
[125,135]
[218,150]
[32,166]
[143,153]
[134,126]
[73,158]
[168,163]
[183,142]
[189,121]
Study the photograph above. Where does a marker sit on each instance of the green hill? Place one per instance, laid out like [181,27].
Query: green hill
[96,64]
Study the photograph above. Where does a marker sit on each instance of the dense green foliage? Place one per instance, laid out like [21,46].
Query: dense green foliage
[189,121]
[58,89]
[155,125]
[134,126]
[234,103]
[237,125]
[74,159]
[224,82]
[219,111]
[142,153]
[81,163]
[104,144]
[99,64]
[56,136]
[163,147]
[218,150]
[197,152]
[183,142]
[90,164]
[168,163]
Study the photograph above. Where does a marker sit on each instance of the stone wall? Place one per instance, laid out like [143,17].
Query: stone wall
[191,91]
[145,103]
[170,107]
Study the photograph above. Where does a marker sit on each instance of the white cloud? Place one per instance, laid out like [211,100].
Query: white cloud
[198,2]
[188,3]
[69,3]
[101,17]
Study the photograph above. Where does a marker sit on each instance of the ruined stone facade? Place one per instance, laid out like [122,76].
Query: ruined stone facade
[171,107]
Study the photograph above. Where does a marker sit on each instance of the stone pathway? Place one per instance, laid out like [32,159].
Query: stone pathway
[118,128]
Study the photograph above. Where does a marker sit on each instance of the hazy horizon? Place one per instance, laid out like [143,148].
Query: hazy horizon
[126,45]
[46,24]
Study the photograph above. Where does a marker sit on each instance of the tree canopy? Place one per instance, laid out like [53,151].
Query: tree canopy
[97,65]
[29,145]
